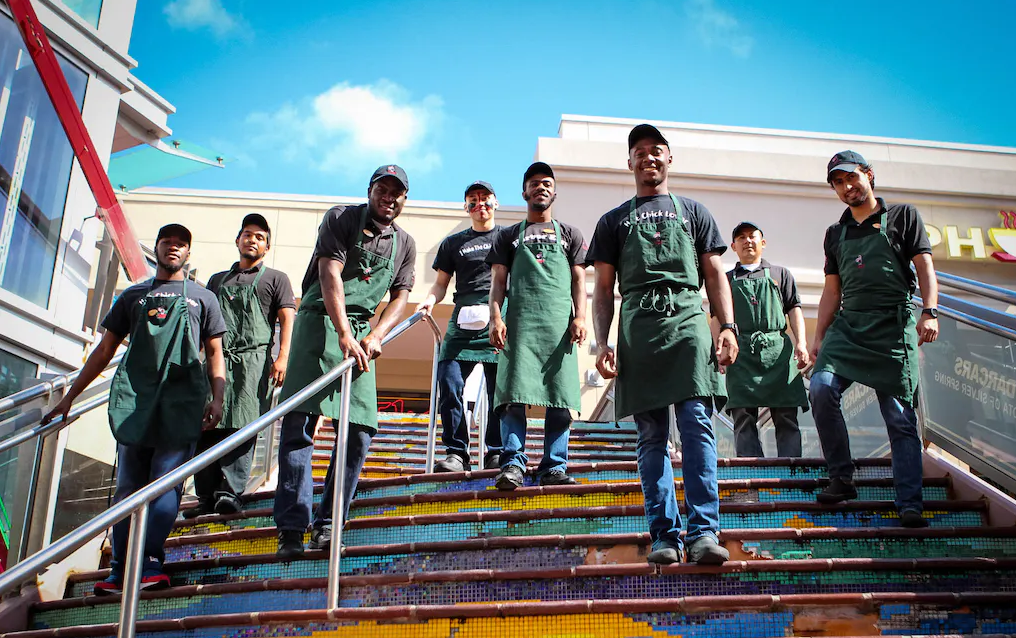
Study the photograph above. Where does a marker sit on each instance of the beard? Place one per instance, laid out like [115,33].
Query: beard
[170,268]
[857,197]
[542,206]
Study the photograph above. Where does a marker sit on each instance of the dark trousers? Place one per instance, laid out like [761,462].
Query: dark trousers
[139,466]
[451,380]
[746,439]
[294,496]
[229,475]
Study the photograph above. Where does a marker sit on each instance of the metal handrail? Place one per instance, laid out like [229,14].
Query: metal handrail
[432,408]
[480,420]
[136,505]
[983,324]
[977,287]
[44,388]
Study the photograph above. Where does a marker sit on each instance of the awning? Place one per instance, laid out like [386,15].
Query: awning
[159,161]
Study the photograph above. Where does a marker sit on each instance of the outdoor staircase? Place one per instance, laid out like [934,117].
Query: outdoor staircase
[448,555]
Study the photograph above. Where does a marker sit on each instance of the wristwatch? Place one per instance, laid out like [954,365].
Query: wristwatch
[931,312]
[730,326]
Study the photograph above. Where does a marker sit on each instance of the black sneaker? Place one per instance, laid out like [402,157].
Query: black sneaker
[913,519]
[290,544]
[557,477]
[666,555]
[510,478]
[320,537]
[452,463]
[706,551]
[492,461]
[203,507]
[838,490]
[227,503]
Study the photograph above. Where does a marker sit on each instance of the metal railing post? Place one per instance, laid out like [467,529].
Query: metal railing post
[432,426]
[482,410]
[132,573]
[33,484]
[338,497]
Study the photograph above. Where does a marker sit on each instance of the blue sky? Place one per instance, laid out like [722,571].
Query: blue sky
[310,96]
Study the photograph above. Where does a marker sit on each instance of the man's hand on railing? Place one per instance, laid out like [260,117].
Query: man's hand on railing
[606,362]
[352,348]
[371,345]
[498,332]
[213,414]
[279,371]
[60,410]
[427,305]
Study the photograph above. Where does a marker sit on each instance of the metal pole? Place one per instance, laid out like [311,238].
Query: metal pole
[132,573]
[26,524]
[432,427]
[482,410]
[338,500]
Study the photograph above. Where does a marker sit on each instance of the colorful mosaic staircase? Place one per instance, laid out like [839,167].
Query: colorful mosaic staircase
[446,555]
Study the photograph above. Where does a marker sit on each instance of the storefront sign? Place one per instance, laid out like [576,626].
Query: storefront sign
[1002,240]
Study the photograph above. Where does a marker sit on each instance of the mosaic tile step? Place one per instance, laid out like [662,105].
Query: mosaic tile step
[320,460]
[221,600]
[420,447]
[618,437]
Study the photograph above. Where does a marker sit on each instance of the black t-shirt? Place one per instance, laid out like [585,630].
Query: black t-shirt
[507,240]
[613,228]
[464,255]
[274,290]
[784,281]
[204,313]
[904,228]
[340,229]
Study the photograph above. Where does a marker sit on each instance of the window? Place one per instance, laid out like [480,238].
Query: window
[87,9]
[14,375]
[35,168]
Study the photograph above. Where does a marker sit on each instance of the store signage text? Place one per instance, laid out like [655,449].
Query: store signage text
[1002,240]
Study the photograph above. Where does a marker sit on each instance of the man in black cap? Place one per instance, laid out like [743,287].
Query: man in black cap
[360,255]
[538,364]
[252,297]
[467,339]
[764,375]
[660,249]
[159,399]
[866,331]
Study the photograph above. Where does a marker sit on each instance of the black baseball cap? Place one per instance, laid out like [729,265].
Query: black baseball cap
[643,131]
[845,161]
[742,226]
[174,230]
[480,184]
[537,168]
[390,170]
[255,219]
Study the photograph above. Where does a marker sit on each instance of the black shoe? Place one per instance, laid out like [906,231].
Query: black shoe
[227,503]
[666,555]
[510,478]
[452,463]
[492,461]
[706,551]
[290,544]
[320,537]
[838,490]
[557,477]
[203,507]
[913,519]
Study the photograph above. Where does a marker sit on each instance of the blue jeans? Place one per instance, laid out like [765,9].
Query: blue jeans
[451,376]
[827,390]
[701,493]
[294,496]
[137,467]
[555,438]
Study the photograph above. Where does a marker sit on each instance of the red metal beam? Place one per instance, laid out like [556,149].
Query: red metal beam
[109,210]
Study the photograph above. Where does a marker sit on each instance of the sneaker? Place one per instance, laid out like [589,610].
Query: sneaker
[203,507]
[557,477]
[320,537]
[705,551]
[666,555]
[510,478]
[290,544]
[913,519]
[492,461]
[452,463]
[113,584]
[227,503]
[154,579]
[838,490]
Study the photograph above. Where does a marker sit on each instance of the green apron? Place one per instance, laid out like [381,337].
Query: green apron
[157,397]
[665,351]
[539,364]
[366,277]
[873,338]
[765,373]
[468,345]
[245,347]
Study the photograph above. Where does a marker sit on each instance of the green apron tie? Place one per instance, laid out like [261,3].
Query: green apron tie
[245,347]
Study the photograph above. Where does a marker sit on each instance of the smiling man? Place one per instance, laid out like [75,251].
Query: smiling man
[360,255]
[159,400]
[538,364]
[659,249]
[252,297]
[866,331]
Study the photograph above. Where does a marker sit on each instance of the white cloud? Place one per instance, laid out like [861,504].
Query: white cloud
[717,27]
[200,14]
[353,129]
